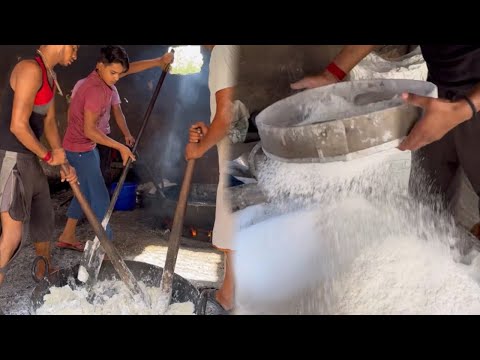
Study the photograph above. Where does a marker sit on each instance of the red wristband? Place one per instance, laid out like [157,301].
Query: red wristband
[47,157]
[333,69]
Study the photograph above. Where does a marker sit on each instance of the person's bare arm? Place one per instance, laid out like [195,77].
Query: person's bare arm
[346,60]
[219,127]
[142,65]
[53,137]
[91,131]
[351,55]
[122,124]
[221,121]
[26,80]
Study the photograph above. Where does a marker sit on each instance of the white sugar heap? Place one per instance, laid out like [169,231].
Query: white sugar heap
[346,238]
[112,298]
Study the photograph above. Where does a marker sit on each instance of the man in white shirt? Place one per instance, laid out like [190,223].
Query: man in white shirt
[221,81]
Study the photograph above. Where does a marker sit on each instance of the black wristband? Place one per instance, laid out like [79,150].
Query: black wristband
[470,103]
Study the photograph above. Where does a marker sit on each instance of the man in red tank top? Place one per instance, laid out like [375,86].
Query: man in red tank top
[26,113]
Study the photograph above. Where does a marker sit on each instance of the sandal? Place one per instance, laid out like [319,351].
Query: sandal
[51,269]
[77,246]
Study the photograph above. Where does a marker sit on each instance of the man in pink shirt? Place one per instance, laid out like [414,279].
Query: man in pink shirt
[88,125]
[105,152]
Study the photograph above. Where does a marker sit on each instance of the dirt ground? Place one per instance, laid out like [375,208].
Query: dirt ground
[135,236]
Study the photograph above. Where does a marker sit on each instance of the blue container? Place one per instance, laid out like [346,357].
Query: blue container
[127,198]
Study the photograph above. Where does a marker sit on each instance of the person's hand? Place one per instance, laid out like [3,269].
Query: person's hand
[197,132]
[193,151]
[439,117]
[129,140]
[125,153]
[59,157]
[70,175]
[165,60]
[311,82]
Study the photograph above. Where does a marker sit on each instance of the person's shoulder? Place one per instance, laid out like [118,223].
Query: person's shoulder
[79,83]
[85,91]
[226,50]
[89,86]
[26,73]
[232,48]
[224,55]
[28,68]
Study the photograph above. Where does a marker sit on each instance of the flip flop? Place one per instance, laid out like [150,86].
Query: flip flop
[208,304]
[76,246]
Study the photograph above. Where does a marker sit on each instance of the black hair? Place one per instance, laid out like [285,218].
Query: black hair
[114,54]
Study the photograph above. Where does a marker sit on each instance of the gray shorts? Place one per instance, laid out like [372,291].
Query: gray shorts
[25,195]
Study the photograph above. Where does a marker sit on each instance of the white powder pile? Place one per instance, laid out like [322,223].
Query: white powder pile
[407,275]
[113,298]
[285,254]
[345,238]
[187,60]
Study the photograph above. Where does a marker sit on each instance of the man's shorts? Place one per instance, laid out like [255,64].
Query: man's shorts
[25,195]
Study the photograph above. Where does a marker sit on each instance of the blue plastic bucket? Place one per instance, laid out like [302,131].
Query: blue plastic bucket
[127,198]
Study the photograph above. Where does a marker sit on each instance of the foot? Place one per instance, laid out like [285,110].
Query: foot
[209,304]
[226,302]
[71,245]
[67,239]
[40,272]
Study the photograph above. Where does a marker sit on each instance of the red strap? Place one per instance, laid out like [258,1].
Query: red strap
[333,69]
[46,92]
[47,157]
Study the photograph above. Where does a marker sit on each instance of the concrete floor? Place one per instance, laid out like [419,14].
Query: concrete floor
[136,239]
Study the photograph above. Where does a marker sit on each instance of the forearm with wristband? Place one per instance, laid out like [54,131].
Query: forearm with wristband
[47,157]
[333,69]
[470,103]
